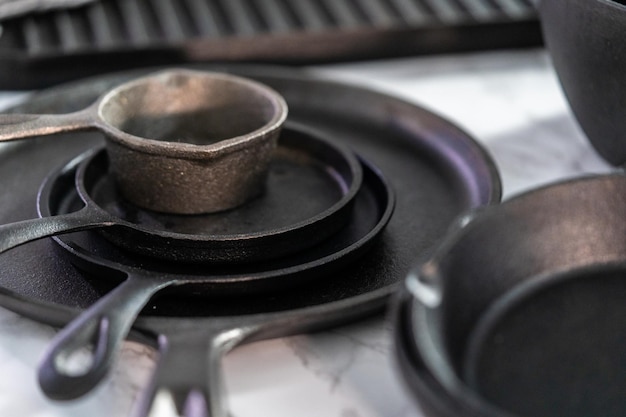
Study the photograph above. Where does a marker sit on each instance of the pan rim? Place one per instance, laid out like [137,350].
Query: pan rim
[486,171]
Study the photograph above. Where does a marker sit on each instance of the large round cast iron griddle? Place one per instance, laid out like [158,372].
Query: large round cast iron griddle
[436,170]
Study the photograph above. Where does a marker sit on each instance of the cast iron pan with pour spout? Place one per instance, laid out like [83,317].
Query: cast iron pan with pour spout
[435,170]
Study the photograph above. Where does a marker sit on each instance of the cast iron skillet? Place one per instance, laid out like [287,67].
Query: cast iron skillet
[105,324]
[311,187]
[520,312]
[436,170]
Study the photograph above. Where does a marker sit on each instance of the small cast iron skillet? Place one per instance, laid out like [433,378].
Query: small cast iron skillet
[521,310]
[311,188]
[105,324]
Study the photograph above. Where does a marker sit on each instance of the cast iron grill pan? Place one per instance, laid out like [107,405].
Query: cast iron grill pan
[41,49]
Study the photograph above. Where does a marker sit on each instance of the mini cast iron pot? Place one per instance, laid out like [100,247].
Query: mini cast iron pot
[521,311]
[586,41]
[179,141]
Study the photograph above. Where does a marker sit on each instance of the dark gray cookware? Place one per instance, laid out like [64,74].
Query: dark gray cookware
[179,141]
[586,42]
[521,312]
[436,171]
[114,35]
[106,323]
[311,186]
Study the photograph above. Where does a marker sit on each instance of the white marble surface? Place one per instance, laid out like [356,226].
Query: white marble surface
[510,101]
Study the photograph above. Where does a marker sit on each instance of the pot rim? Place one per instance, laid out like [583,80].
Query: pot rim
[189,150]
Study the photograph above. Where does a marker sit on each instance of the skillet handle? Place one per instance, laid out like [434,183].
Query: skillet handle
[22,126]
[189,371]
[101,329]
[19,233]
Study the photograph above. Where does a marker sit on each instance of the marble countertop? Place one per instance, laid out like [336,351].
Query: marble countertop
[510,101]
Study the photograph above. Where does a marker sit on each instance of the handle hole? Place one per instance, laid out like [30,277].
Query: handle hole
[192,403]
[76,362]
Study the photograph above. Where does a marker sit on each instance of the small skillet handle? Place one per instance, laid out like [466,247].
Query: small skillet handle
[22,126]
[189,370]
[19,233]
[101,328]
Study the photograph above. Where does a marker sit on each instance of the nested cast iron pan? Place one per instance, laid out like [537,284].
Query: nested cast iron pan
[107,322]
[521,311]
[435,169]
[309,194]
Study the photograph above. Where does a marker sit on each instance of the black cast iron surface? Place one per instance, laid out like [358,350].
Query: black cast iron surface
[581,318]
[584,38]
[520,310]
[309,195]
[142,278]
[436,170]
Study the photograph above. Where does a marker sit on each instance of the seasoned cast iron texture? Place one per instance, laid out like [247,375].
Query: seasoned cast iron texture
[436,170]
[109,319]
[309,196]
[179,141]
[586,42]
[520,311]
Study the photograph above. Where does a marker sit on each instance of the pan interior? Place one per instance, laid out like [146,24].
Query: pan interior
[436,171]
[102,262]
[299,187]
[309,196]
[557,349]
[187,107]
